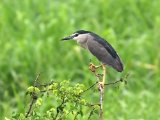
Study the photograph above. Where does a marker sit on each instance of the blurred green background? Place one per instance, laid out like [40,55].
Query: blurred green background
[30,33]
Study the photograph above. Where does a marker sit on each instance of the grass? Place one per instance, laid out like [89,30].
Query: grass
[30,33]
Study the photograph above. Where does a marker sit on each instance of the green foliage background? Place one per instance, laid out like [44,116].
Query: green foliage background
[30,33]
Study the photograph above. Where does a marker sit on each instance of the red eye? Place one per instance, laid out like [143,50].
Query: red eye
[76,34]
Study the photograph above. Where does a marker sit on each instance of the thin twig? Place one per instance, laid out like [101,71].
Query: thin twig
[30,106]
[58,109]
[89,87]
[35,81]
[45,85]
[75,118]
[91,113]
[112,83]
[120,80]
[33,99]
[46,90]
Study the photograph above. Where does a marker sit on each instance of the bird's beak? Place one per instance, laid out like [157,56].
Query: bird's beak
[68,38]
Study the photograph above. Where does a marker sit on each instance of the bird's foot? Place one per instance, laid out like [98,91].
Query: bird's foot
[93,67]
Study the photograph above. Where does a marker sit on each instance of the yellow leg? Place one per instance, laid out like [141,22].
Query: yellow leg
[104,76]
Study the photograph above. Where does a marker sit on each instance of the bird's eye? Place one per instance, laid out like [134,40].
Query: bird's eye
[76,34]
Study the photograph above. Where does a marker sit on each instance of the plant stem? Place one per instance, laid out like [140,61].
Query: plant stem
[101,102]
[101,90]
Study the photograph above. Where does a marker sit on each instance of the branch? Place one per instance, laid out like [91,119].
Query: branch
[34,98]
[124,79]
[58,109]
[89,88]
[91,113]
[46,84]
[101,90]
[75,118]
[46,90]
[112,83]
[30,106]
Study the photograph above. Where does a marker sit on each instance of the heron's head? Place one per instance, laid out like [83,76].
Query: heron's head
[80,34]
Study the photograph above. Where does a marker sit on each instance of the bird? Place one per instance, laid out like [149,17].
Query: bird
[97,46]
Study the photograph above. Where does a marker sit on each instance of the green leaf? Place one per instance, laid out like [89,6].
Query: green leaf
[33,89]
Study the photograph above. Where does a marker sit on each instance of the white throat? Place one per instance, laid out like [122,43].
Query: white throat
[82,40]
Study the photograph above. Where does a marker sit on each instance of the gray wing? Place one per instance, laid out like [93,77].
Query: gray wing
[107,46]
[103,55]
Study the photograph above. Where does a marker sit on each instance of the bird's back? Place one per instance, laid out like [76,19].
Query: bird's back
[104,52]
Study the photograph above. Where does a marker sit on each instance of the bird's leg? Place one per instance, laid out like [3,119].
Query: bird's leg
[104,73]
[101,83]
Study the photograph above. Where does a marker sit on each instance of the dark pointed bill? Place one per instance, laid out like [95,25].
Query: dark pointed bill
[68,38]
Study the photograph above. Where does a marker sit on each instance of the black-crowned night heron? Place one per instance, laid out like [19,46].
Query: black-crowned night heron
[99,47]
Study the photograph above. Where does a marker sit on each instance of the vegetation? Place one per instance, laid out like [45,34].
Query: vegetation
[30,34]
